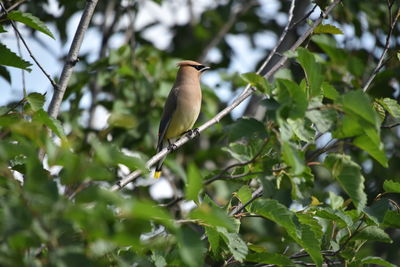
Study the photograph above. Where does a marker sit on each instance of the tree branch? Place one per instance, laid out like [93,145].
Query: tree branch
[72,58]
[392,23]
[11,8]
[256,194]
[234,14]
[53,83]
[246,93]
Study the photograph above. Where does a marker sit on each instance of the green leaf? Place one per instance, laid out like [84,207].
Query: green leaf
[376,261]
[9,58]
[36,100]
[158,259]
[293,158]
[5,74]
[191,248]
[373,233]
[213,238]
[391,106]
[270,258]
[391,186]
[327,28]
[348,174]
[121,120]
[246,128]
[302,129]
[213,216]
[236,245]
[376,212]
[375,150]
[55,125]
[244,194]
[29,20]
[392,218]
[312,71]
[336,202]
[194,183]
[337,216]
[292,98]
[257,81]
[322,118]
[278,213]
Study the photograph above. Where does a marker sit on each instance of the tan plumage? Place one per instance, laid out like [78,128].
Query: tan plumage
[183,105]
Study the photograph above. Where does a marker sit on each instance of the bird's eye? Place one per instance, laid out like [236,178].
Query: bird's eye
[198,67]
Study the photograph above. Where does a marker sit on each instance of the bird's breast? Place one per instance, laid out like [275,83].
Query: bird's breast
[187,111]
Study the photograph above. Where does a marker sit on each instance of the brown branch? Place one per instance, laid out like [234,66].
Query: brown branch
[256,194]
[392,23]
[72,58]
[390,126]
[11,8]
[234,14]
[239,164]
[248,91]
[53,83]
[303,18]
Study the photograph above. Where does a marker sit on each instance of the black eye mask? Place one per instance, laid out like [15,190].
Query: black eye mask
[198,67]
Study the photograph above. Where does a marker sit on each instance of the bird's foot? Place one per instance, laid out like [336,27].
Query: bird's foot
[172,147]
[193,133]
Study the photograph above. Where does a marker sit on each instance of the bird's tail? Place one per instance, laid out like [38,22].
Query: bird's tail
[157,172]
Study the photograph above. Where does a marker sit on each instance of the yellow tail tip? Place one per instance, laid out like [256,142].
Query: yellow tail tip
[157,174]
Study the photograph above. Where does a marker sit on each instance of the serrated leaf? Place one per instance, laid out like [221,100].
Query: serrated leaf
[337,216]
[293,158]
[391,186]
[36,101]
[270,258]
[292,98]
[375,150]
[55,125]
[392,218]
[30,20]
[376,261]
[244,194]
[213,238]
[194,183]
[312,71]
[327,28]
[213,216]
[257,81]
[9,58]
[391,105]
[348,174]
[373,233]
[376,212]
[236,245]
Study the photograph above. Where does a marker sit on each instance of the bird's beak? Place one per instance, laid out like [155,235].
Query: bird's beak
[205,69]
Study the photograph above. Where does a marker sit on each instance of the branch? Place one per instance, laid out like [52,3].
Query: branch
[11,8]
[248,91]
[53,83]
[256,194]
[234,14]
[72,58]
[388,37]
[239,164]
[390,126]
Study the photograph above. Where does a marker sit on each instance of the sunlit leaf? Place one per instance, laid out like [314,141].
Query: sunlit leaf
[30,20]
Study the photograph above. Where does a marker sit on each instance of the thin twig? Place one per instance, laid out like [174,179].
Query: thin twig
[235,13]
[22,71]
[303,18]
[390,126]
[53,83]
[238,164]
[72,58]
[283,35]
[11,8]
[256,194]
[248,91]
[392,23]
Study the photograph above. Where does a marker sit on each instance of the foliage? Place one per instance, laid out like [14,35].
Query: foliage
[313,180]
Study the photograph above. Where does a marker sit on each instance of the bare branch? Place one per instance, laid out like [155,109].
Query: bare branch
[53,83]
[239,164]
[256,194]
[390,126]
[246,93]
[72,58]
[11,8]
[235,13]
[392,23]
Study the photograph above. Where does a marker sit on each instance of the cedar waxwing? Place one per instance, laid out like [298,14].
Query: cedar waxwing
[182,107]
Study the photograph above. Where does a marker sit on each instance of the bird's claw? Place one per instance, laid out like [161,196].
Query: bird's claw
[193,132]
[172,147]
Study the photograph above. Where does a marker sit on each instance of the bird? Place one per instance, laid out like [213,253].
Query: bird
[182,107]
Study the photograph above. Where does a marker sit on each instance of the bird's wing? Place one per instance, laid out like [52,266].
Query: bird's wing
[169,109]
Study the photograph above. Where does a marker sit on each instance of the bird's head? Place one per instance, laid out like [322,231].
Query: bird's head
[191,66]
